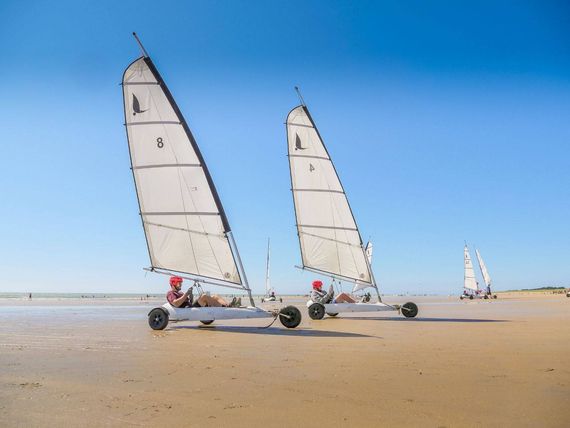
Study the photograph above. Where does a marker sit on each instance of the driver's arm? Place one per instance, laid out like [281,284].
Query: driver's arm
[181,300]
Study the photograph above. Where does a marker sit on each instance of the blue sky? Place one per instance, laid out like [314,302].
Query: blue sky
[447,122]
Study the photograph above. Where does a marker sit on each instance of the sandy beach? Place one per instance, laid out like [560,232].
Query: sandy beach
[96,363]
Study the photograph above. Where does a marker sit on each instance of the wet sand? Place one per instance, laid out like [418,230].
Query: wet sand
[459,364]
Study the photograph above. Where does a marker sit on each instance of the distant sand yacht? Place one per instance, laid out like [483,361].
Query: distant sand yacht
[471,288]
[269,290]
[329,238]
[486,277]
[186,228]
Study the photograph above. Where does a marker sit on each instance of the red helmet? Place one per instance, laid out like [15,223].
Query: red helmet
[175,280]
[317,284]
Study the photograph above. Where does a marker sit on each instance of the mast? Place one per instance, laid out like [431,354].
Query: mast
[267,283]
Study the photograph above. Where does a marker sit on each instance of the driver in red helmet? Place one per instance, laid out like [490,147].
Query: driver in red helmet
[319,296]
[186,300]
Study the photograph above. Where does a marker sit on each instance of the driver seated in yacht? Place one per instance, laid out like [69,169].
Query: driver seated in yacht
[186,300]
[319,296]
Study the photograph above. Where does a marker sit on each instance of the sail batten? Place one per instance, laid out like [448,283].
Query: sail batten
[469,280]
[185,225]
[321,204]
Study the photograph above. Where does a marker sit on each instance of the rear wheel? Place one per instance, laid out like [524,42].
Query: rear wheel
[461,297]
[486,297]
[290,316]
[331,314]
[471,297]
[409,310]
[158,319]
[316,311]
[207,322]
[494,296]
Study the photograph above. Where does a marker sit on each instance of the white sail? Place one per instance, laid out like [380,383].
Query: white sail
[267,281]
[483,268]
[184,221]
[329,238]
[469,281]
[368,251]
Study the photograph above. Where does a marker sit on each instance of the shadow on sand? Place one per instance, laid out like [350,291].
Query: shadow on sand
[273,331]
[403,319]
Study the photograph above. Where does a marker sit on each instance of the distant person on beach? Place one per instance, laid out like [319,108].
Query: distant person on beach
[186,300]
[319,296]
[30,296]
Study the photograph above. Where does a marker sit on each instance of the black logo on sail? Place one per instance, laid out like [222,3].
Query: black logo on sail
[298,145]
[137,106]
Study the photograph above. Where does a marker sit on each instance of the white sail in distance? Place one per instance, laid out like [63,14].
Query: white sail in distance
[184,222]
[328,235]
[484,272]
[267,281]
[469,281]
[368,251]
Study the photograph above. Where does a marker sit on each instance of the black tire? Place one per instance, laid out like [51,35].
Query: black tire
[461,297]
[486,297]
[316,311]
[293,318]
[409,310]
[494,296]
[207,322]
[471,297]
[158,319]
[332,314]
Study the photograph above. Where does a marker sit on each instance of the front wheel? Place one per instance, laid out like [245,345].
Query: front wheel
[158,319]
[471,297]
[409,310]
[494,296]
[290,316]
[316,311]
[461,297]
